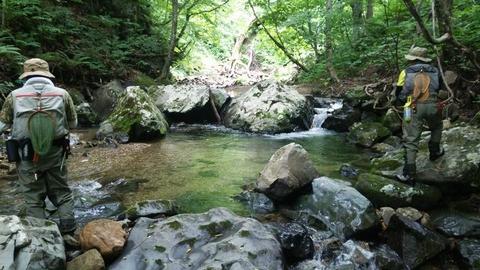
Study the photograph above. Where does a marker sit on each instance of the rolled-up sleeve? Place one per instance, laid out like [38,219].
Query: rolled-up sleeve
[71,114]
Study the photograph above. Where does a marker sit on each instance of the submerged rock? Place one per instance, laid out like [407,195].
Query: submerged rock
[341,120]
[30,243]
[387,192]
[107,236]
[269,107]
[354,255]
[90,260]
[136,115]
[460,166]
[347,170]
[216,239]
[152,209]
[189,103]
[340,207]
[366,134]
[288,171]
[413,242]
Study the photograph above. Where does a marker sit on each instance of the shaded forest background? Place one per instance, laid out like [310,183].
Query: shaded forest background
[88,42]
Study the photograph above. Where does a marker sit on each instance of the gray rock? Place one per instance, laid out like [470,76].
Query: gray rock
[409,212]
[413,242]
[340,207]
[90,260]
[347,170]
[136,115]
[460,166]
[456,223]
[366,134]
[30,243]
[288,170]
[152,208]
[385,214]
[387,192]
[382,148]
[387,259]
[470,252]
[257,203]
[86,116]
[269,107]
[181,98]
[341,120]
[216,239]
[106,97]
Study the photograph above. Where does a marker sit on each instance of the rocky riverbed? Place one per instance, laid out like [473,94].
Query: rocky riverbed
[301,200]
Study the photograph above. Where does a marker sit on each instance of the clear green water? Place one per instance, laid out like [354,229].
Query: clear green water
[205,167]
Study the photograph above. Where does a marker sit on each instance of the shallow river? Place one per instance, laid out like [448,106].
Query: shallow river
[204,167]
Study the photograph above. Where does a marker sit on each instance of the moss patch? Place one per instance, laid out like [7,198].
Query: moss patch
[215,228]
[160,249]
[174,225]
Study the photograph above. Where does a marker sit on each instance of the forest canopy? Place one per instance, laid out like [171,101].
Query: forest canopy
[88,42]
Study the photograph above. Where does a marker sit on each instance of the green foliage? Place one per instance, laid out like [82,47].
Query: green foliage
[84,41]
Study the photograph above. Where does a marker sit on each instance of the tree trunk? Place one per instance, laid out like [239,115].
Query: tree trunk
[357,12]
[369,9]
[328,41]
[173,41]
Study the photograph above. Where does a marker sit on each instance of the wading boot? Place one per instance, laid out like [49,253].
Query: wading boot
[435,151]
[408,176]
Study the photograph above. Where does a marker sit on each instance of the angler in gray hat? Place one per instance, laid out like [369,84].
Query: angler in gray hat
[40,116]
[417,88]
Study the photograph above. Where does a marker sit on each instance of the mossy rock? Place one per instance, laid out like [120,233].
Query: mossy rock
[383,191]
[356,94]
[368,133]
[392,121]
[137,115]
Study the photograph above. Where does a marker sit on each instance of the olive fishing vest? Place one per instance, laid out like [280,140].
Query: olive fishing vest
[38,94]
[431,71]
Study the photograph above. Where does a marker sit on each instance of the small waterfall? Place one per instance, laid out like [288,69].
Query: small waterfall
[325,107]
[328,106]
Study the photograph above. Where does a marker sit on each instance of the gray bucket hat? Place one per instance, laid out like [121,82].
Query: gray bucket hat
[36,67]
[418,53]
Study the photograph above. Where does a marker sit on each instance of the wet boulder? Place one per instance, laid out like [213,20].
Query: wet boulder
[216,239]
[136,115]
[341,120]
[90,260]
[269,107]
[469,250]
[152,209]
[106,98]
[387,192]
[339,206]
[107,236]
[414,243]
[30,243]
[288,171]
[456,223]
[295,240]
[366,134]
[459,167]
[86,116]
[189,103]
